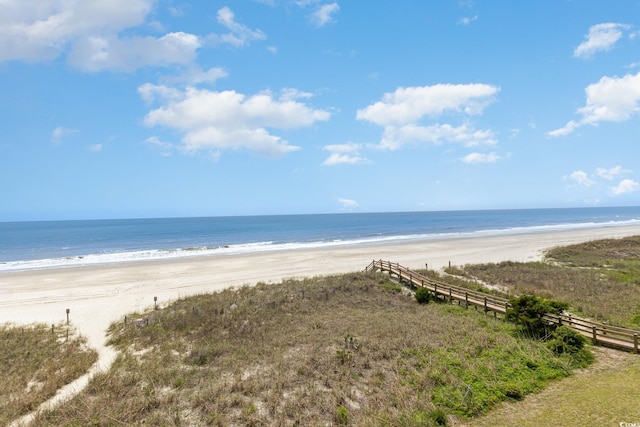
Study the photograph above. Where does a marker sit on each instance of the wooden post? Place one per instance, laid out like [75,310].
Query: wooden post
[595,336]
[155,303]
[450,298]
[449,264]
[52,331]
[435,289]
[466,300]
[485,305]
[68,316]
[635,343]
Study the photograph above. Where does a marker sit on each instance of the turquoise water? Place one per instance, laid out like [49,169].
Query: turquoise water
[45,244]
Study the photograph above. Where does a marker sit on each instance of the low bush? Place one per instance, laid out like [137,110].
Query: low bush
[566,340]
[528,311]
[423,295]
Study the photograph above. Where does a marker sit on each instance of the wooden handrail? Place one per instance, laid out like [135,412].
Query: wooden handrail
[600,333]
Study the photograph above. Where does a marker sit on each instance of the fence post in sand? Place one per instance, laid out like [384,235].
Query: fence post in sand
[595,336]
[68,316]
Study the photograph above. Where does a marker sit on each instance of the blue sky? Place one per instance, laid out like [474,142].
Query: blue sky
[161,108]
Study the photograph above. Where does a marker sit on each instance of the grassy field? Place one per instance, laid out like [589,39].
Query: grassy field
[34,362]
[354,349]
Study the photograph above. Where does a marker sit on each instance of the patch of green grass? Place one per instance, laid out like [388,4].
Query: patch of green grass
[603,395]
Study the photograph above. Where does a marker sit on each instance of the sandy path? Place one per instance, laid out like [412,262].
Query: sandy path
[99,295]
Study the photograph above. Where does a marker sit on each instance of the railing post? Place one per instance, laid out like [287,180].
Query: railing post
[595,335]
[435,289]
[466,300]
[485,305]
[450,297]
[635,343]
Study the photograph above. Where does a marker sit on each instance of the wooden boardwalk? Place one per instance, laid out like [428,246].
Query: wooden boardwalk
[599,333]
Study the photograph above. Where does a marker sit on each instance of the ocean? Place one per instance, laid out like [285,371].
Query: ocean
[55,244]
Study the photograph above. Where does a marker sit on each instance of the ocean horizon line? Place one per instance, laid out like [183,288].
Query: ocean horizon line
[344,212]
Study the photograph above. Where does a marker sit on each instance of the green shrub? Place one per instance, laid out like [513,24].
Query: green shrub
[423,295]
[566,340]
[528,311]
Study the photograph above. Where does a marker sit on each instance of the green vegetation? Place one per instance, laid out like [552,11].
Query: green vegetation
[528,311]
[34,362]
[423,295]
[330,350]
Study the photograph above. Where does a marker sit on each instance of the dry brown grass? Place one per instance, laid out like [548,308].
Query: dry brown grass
[325,351]
[34,363]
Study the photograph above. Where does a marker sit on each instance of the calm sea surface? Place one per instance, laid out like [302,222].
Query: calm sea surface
[46,244]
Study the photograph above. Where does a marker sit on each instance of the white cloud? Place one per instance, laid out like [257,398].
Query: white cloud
[97,35]
[343,154]
[228,120]
[348,204]
[581,178]
[465,20]
[42,31]
[96,148]
[613,99]
[290,94]
[410,104]
[240,35]
[166,148]
[611,172]
[195,75]
[481,158]
[400,114]
[624,187]
[324,14]
[58,133]
[128,54]
[601,37]
[395,137]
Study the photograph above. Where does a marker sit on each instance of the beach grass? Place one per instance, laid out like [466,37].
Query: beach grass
[35,361]
[599,279]
[354,349]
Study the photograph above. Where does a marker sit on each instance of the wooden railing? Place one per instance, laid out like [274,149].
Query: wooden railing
[599,333]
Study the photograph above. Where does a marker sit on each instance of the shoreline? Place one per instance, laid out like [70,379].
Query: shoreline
[98,295]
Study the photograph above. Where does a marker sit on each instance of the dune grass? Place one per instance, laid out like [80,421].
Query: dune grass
[35,361]
[354,349]
[599,279]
